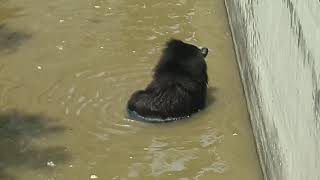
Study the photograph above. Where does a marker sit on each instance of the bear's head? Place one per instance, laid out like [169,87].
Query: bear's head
[183,59]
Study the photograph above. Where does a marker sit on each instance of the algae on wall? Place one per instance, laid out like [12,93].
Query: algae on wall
[278,48]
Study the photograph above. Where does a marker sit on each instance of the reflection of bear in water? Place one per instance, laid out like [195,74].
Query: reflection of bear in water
[178,88]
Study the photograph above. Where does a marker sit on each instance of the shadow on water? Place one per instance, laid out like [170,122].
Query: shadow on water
[210,96]
[18,130]
[10,39]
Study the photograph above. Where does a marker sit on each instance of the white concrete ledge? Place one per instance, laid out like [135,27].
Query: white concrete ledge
[278,49]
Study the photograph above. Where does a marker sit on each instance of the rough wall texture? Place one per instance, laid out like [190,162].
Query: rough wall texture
[278,48]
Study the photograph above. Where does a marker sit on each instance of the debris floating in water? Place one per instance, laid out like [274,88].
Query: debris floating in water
[191,13]
[61,20]
[151,38]
[50,164]
[93,177]
[235,134]
[39,67]
[97,7]
[60,47]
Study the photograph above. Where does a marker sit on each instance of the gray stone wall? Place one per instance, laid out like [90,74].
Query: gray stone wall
[278,48]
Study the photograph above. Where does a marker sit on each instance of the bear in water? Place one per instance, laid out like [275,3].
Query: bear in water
[178,88]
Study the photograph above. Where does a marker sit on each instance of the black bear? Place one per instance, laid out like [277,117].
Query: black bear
[178,88]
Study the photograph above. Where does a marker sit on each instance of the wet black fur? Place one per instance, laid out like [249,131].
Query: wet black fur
[179,85]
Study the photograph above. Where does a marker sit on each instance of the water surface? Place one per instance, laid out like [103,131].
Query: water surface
[67,69]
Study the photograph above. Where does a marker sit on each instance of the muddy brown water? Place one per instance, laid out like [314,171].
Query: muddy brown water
[67,69]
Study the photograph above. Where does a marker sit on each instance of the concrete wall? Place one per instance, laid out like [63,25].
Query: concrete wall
[278,48]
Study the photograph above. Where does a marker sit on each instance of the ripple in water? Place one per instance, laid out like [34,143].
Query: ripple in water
[101,95]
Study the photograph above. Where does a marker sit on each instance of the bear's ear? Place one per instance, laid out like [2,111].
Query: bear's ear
[174,42]
[204,51]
